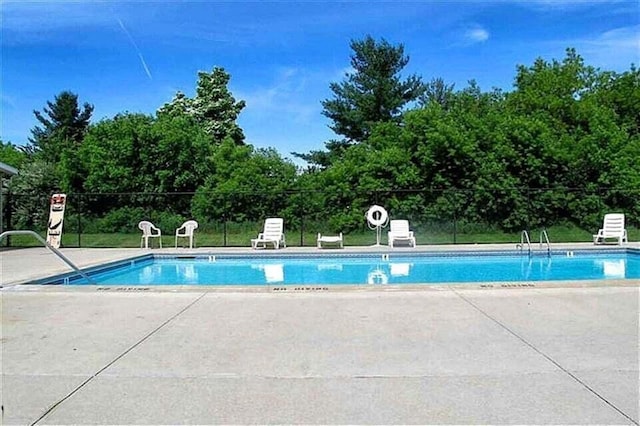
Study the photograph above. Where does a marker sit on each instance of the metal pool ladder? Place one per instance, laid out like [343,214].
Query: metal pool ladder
[544,239]
[524,238]
[51,248]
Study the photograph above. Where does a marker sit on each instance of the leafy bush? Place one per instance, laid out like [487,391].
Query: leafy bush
[167,222]
[122,220]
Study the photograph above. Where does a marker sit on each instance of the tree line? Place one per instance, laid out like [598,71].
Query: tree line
[562,147]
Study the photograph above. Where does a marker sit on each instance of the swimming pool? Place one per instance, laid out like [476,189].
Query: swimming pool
[362,269]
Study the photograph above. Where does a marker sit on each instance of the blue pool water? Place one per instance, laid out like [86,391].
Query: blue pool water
[369,269]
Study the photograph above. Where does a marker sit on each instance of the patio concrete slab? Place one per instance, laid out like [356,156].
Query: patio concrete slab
[332,335]
[77,333]
[546,398]
[576,315]
[593,333]
[619,387]
[53,342]
[376,357]
[26,397]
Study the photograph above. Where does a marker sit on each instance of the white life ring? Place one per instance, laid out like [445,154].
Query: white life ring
[377,216]
[377,276]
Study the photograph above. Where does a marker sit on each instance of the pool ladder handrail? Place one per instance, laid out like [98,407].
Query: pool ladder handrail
[51,248]
[524,237]
[544,239]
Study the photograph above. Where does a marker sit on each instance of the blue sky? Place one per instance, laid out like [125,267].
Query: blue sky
[282,56]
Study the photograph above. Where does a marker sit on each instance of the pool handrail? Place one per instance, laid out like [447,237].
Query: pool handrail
[544,239]
[524,237]
[50,247]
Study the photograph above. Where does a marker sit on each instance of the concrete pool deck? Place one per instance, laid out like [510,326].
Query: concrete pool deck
[462,356]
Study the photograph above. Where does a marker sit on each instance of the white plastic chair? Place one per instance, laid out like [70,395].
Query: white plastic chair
[399,231]
[186,231]
[149,230]
[612,228]
[273,233]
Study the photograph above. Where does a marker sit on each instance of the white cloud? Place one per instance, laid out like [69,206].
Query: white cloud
[619,38]
[287,95]
[613,49]
[476,35]
[287,112]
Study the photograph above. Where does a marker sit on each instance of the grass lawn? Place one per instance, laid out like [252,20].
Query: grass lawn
[242,238]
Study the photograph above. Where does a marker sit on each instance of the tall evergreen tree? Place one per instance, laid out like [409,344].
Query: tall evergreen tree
[63,126]
[374,92]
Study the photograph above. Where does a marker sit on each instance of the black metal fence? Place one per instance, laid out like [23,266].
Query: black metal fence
[231,219]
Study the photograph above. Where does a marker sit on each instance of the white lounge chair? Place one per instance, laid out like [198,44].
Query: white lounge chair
[330,239]
[186,231]
[273,233]
[399,231]
[149,230]
[612,228]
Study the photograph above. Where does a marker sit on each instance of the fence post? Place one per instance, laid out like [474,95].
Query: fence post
[455,221]
[78,214]
[529,210]
[9,208]
[224,229]
[301,198]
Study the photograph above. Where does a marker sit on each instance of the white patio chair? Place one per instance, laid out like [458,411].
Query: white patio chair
[399,231]
[186,231]
[612,228]
[273,233]
[149,230]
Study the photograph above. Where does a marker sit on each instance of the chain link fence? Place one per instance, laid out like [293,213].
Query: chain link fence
[438,216]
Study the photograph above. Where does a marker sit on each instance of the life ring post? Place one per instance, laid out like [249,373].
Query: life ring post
[378,218]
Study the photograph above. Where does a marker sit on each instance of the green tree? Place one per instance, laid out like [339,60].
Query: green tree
[374,92]
[136,153]
[117,155]
[590,125]
[621,92]
[179,105]
[181,154]
[31,189]
[246,184]
[11,154]
[213,106]
[371,172]
[437,91]
[63,126]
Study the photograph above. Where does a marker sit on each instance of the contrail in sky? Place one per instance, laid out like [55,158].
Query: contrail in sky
[135,46]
